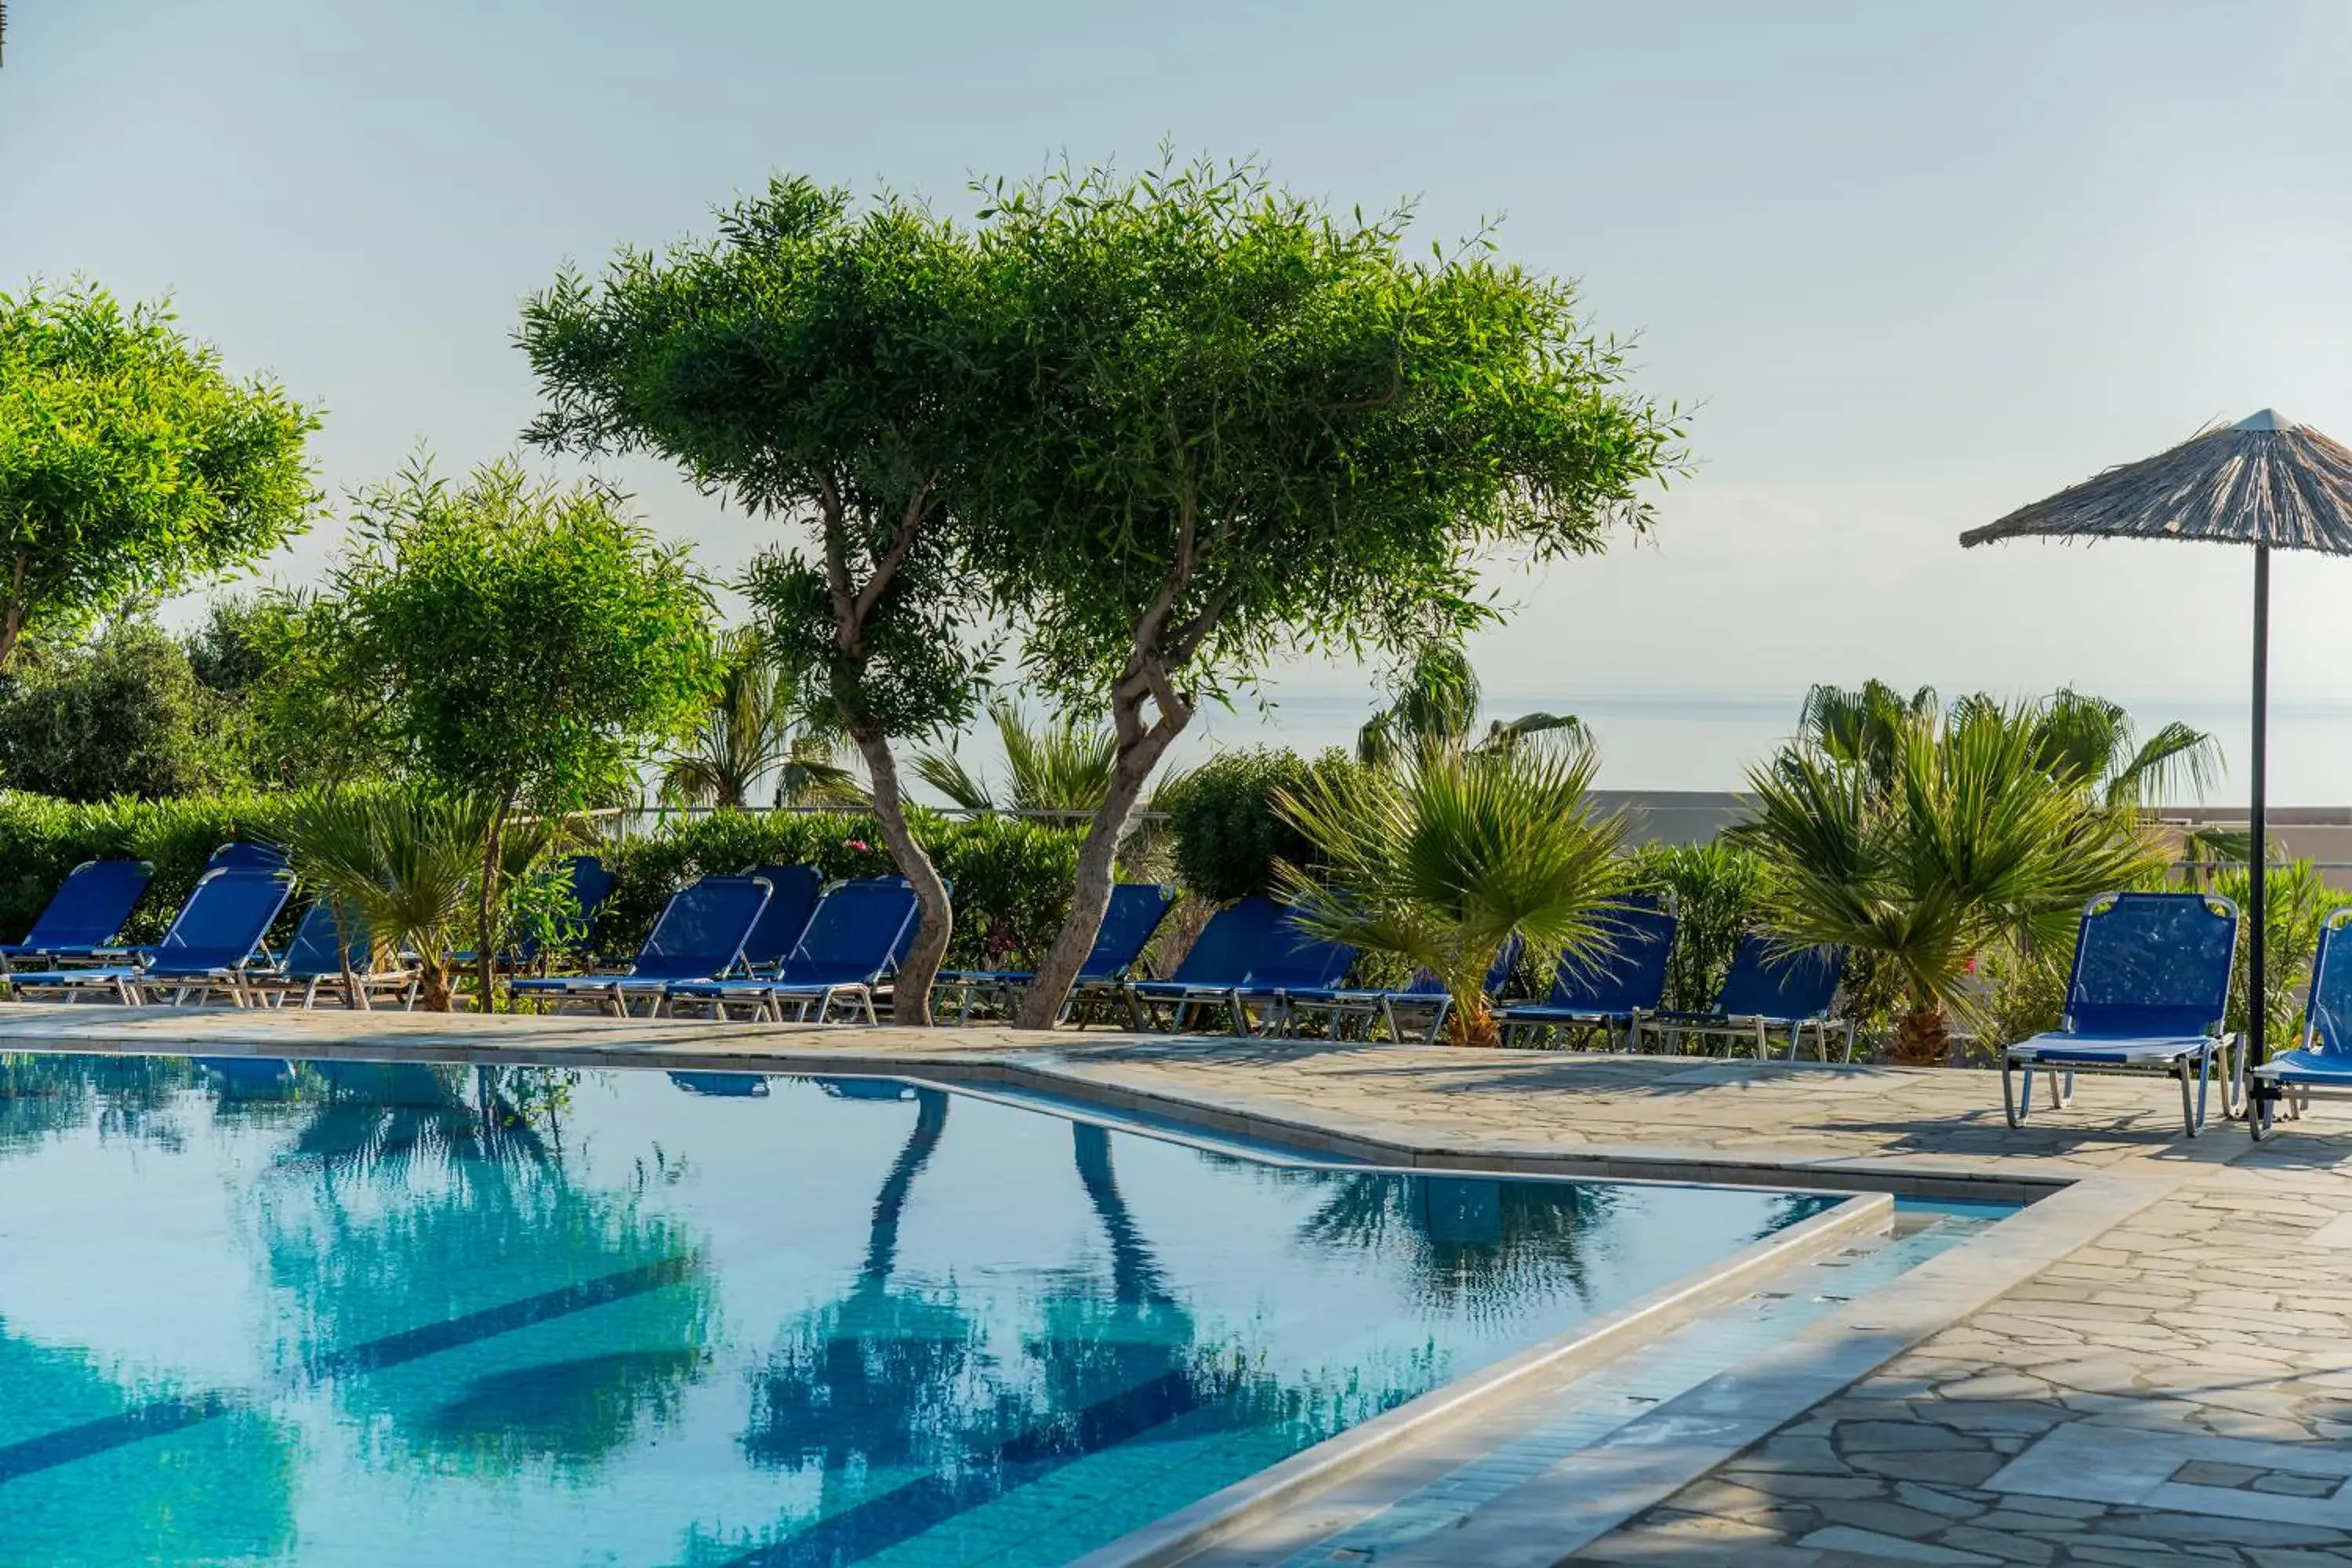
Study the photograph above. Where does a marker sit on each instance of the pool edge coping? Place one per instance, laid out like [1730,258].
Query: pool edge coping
[1174,1537]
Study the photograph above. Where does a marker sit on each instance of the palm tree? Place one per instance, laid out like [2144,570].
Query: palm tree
[1437,704]
[1062,766]
[2078,739]
[402,860]
[1439,862]
[1941,840]
[766,723]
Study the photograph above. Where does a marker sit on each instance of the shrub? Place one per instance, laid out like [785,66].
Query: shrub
[1228,833]
[1012,878]
[1716,890]
[2297,903]
[121,715]
[41,839]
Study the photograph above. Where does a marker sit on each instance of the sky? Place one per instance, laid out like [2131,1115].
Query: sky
[1906,268]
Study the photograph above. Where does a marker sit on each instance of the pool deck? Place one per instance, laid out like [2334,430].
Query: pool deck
[2151,1366]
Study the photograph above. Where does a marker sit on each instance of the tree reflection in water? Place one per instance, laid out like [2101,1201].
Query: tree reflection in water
[1471,1245]
[42,1097]
[894,1396]
[441,1263]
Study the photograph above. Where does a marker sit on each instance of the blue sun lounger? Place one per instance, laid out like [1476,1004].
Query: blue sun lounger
[795,890]
[325,949]
[591,883]
[1291,964]
[1424,991]
[212,945]
[2149,993]
[852,941]
[1211,968]
[723,1085]
[1134,914]
[2319,1064]
[83,917]
[239,855]
[1767,990]
[699,936]
[1625,983]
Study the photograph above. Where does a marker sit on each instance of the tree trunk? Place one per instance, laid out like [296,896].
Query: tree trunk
[433,988]
[1922,1037]
[1473,1026]
[910,989]
[1097,859]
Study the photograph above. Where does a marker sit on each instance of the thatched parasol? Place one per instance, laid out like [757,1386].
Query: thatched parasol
[2264,481]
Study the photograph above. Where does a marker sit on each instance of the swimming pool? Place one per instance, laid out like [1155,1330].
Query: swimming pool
[347,1313]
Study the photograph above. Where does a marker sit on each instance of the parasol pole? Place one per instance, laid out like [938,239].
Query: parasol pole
[2259,861]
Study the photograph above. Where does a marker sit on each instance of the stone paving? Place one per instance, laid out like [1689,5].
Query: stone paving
[2176,1390]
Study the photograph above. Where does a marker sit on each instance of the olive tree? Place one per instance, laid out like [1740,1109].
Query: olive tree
[815,364]
[131,464]
[528,644]
[1233,424]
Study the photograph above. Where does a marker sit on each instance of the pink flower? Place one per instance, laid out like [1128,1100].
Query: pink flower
[857,843]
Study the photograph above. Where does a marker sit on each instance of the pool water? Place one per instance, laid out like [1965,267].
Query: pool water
[346,1313]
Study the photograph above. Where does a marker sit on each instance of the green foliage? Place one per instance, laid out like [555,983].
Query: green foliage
[1012,878]
[530,641]
[1441,863]
[1064,766]
[404,861]
[1717,891]
[1967,841]
[1230,834]
[813,361]
[2085,742]
[1436,704]
[1242,423]
[131,463]
[2296,902]
[41,839]
[124,714]
[764,727]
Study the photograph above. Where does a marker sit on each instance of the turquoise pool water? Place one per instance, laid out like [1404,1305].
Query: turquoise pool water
[350,1314]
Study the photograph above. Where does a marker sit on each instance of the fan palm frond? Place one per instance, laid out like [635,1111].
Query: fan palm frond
[1441,862]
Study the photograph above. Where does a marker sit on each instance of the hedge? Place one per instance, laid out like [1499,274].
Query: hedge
[1012,878]
[42,838]
[1228,834]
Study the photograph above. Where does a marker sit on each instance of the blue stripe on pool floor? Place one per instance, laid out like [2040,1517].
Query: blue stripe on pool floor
[162,1417]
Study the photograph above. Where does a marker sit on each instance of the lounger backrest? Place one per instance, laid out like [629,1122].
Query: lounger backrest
[224,920]
[1135,913]
[90,904]
[2327,1012]
[1220,954]
[787,915]
[856,932]
[1293,957]
[907,934]
[702,929]
[1768,982]
[316,950]
[1630,975]
[2152,964]
[243,856]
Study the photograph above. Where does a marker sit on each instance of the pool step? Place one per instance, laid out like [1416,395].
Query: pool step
[1437,1486]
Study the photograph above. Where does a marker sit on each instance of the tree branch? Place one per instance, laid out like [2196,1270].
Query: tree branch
[902,544]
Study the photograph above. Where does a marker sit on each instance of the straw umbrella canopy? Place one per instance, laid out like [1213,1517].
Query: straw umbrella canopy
[2264,481]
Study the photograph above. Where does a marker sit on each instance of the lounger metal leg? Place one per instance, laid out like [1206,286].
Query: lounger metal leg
[2015,1106]
[2061,1089]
